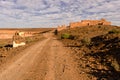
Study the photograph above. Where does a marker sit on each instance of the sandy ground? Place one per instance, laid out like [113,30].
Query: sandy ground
[45,60]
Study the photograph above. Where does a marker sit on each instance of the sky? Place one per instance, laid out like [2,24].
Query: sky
[51,13]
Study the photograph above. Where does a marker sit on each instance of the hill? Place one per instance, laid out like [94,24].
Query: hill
[96,51]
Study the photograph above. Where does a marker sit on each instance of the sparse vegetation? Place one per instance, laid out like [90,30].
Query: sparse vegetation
[86,41]
[6,49]
[28,39]
[100,59]
[114,31]
[67,36]
[115,65]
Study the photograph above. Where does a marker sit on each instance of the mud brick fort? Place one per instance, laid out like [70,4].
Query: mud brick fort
[84,23]
[61,27]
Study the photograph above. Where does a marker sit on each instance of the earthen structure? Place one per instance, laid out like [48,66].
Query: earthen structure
[61,27]
[8,34]
[89,22]
[18,39]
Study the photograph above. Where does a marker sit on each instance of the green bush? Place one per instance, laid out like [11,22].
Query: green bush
[67,36]
[114,31]
[86,41]
[28,40]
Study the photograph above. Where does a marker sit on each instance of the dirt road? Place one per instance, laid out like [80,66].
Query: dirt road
[45,60]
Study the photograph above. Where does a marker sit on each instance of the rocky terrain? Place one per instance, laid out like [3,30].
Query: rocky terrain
[96,51]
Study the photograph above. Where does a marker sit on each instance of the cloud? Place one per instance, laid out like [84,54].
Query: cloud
[49,13]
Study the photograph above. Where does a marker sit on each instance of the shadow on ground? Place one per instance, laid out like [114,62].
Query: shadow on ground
[105,50]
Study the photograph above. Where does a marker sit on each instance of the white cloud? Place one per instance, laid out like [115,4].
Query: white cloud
[6,4]
[50,10]
[33,4]
[39,13]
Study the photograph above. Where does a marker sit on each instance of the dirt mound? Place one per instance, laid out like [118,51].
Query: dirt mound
[96,50]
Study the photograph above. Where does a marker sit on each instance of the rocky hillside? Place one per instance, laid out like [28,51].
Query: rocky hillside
[96,51]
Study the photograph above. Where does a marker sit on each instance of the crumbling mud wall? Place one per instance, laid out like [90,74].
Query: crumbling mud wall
[61,27]
[18,39]
[89,22]
[84,23]
[8,34]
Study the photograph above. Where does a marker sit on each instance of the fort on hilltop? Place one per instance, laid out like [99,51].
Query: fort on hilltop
[85,23]
[89,22]
[61,27]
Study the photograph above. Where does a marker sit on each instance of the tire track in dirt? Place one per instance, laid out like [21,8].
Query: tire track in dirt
[46,60]
[64,68]
[17,70]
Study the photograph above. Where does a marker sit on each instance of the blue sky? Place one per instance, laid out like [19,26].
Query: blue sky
[51,13]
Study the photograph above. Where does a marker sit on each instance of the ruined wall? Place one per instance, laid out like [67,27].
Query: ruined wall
[107,23]
[89,22]
[8,34]
[85,23]
[61,27]
[18,38]
[75,24]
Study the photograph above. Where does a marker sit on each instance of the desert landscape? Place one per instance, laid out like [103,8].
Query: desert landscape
[81,53]
[95,50]
[59,39]
[6,40]
[37,60]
